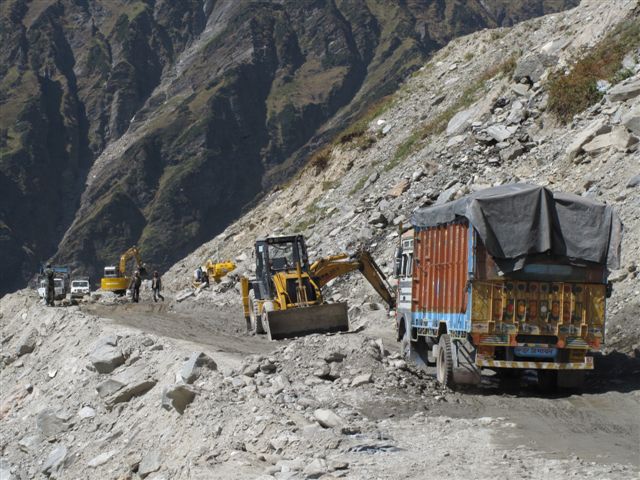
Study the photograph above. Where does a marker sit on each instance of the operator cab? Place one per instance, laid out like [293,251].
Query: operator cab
[278,254]
[111,272]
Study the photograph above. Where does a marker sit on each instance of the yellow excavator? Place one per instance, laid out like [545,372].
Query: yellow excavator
[285,299]
[214,271]
[115,278]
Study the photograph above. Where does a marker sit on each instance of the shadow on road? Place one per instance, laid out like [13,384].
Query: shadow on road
[614,372]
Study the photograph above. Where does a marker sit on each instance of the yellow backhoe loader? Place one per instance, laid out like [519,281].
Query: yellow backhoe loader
[115,278]
[285,299]
[214,270]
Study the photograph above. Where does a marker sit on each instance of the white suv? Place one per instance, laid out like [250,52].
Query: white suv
[80,288]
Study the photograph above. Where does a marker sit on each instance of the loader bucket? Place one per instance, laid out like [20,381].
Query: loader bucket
[297,322]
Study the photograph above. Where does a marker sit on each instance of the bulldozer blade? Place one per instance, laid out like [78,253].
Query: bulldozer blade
[297,322]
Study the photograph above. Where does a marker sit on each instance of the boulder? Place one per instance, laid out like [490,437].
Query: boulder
[631,120]
[27,342]
[50,424]
[101,459]
[521,89]
[633,181]
[417,175]
[55,461]
[460,122]
[31,443]
[456,140]
[106,355]
[532,67]
[618,138]
[371,180]
[399,219]
[327,418]
[108,387]
[517,114]
[267,366]
[401,187]
[150,463]
[86,412]
[597,127]
[316,468]
[500,133]
[378,218]
[334,356]
[448,194]
[131,390]
[322,371]
[195,365]
[184,294]
[512,152]
[625,90]
[177,396]
[361,380]
[130,383]
[251,369]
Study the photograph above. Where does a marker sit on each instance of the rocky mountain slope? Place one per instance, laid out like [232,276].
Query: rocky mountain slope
[477,115]
[154,122]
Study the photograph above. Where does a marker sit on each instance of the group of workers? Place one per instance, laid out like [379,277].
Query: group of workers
[136,282]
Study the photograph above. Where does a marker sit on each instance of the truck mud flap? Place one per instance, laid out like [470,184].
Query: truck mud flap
[297,322]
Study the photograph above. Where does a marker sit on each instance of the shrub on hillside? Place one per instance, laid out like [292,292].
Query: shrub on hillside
[576,91]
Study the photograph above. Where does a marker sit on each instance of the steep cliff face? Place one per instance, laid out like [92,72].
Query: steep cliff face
[155,122]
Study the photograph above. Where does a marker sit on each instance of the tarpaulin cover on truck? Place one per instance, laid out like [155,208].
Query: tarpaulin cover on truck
[517,220]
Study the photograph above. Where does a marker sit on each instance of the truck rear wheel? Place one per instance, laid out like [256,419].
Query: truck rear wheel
[444,362]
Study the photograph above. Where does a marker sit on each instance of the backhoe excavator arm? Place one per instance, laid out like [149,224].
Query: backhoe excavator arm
[133,252]
[326,269]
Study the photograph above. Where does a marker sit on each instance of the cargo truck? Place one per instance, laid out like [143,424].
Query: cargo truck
[509,278]
[61,281]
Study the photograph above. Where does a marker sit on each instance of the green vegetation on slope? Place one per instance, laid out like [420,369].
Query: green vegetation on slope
[572,93]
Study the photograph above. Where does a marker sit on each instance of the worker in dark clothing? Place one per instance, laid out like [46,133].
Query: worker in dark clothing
[205,280]
[134,286]
[156,286]
[49,275]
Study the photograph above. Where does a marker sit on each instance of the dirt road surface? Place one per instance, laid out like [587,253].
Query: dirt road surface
[600,425]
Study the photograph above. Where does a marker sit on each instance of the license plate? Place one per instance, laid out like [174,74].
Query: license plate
[537,352]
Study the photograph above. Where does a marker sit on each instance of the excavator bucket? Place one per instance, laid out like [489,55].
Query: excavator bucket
[297,322]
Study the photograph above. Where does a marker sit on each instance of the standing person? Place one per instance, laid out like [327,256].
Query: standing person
[156,286]
[51,286]
[134,286]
